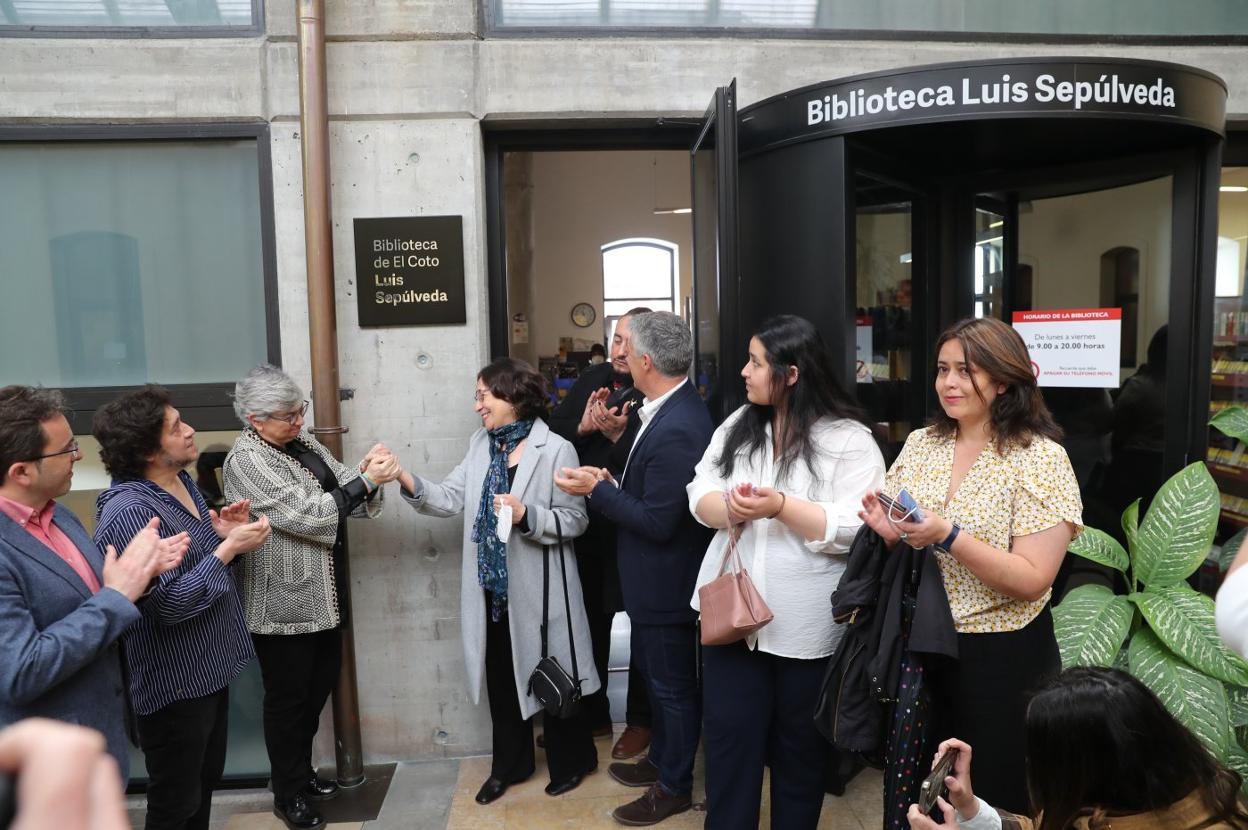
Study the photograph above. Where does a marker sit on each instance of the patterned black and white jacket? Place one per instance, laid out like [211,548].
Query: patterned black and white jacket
[288,585]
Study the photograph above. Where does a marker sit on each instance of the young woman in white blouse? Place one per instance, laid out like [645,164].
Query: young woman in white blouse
[808,455]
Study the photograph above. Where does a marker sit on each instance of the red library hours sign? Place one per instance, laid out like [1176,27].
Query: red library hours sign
[1077,347]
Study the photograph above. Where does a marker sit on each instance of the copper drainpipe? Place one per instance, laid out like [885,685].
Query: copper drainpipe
[323,334]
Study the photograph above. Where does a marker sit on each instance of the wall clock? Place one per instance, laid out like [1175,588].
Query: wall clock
[583,314]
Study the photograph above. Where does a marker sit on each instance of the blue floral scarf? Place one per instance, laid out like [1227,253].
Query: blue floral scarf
[491,551]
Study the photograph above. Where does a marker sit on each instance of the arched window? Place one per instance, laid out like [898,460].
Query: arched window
[637,272]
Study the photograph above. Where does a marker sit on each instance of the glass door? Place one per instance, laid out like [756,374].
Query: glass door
[1085,277]
[713,167]
[889,271]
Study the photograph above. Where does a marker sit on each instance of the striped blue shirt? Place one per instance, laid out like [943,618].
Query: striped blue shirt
[191,640]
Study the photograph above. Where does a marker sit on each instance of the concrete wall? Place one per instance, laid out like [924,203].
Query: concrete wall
[409,84]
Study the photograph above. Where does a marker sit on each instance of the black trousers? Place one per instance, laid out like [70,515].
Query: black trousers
[184,747]
[982,699]
[569,743]
[637,710]
[299,672]
[758,709]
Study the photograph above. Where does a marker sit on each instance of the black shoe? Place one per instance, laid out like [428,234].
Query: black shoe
[570,784]
[491,790]
[297,813]
[319,789]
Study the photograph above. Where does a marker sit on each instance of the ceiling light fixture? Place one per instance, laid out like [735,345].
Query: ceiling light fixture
[1233,188]
[668,211]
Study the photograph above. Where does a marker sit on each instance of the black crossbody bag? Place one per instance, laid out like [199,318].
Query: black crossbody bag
[557,691]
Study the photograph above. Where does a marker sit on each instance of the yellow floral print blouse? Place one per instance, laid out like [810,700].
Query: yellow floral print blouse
[1026,490]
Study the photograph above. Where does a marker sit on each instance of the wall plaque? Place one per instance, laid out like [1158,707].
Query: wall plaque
[410,271]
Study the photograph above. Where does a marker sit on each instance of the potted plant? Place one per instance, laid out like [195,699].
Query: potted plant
[1162,630]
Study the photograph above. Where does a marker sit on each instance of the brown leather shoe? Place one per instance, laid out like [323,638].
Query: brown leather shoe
[641,774]
[633,741]
[651,808]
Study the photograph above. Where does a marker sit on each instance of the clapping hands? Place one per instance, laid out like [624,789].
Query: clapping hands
[597,417]
[145,558]
[580,481]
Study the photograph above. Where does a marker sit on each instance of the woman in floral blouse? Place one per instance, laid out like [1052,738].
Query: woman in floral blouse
[1000,505]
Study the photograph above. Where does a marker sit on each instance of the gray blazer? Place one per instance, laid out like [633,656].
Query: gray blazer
[534,485]
[58,653]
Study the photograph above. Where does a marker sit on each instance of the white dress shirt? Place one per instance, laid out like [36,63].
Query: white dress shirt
[796,577]
[649,408]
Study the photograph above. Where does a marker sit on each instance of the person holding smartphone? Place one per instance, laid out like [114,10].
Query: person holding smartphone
[999,504]
[786,472]
[1104,753]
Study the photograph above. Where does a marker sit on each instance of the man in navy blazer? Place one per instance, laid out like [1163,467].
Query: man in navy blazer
[660,549]
[63,605]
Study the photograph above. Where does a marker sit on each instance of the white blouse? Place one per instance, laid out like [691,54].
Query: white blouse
[796,577]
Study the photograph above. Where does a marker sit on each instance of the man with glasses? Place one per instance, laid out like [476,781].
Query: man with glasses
[191,641]
[63,602]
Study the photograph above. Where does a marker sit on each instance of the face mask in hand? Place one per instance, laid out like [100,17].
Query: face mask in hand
[504,523]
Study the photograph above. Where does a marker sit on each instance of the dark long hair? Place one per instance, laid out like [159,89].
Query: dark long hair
[791,341]
[1018,414]
[1100,744]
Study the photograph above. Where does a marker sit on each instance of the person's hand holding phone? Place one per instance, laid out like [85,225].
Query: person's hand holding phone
[906,520]
[875,516]
[960,796]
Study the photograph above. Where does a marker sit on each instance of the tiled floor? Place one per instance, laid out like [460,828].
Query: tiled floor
[589,806]
[438,795]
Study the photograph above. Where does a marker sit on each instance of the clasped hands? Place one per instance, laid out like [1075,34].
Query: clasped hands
[380,465]
[745,503]
[933,529]
[598,418]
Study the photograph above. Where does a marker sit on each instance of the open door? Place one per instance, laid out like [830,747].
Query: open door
[716,321]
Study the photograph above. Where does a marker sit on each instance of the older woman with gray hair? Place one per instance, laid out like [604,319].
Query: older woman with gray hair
[290,597]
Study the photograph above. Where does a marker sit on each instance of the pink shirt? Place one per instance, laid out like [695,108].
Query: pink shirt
[38,523]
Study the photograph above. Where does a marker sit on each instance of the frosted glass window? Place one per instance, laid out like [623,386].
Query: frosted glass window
[638,269]
[123,263]
[1154,18]
[122,13]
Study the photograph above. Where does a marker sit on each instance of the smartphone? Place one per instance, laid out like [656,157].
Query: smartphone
[900,506]
[934,784]
[8,800]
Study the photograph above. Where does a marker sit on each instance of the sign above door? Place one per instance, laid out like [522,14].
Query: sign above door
[1011,88]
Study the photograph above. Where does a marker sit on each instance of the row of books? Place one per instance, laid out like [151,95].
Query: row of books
[1226,366]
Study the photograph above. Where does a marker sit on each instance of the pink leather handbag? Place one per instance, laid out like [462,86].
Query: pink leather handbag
[732,608]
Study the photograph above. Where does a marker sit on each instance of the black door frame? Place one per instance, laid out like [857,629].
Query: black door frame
[500,138]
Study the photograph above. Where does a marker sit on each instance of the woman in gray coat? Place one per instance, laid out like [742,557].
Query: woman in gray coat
[510,466]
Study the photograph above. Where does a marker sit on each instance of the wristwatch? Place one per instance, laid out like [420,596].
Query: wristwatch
[948,542]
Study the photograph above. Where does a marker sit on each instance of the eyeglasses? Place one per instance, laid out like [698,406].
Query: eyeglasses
[72,449]
[479,395]
[292,417]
